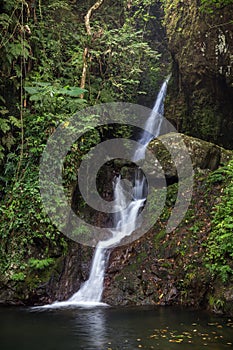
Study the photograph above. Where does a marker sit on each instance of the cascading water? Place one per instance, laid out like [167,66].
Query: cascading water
[91,290]
[153,124]
[127,207]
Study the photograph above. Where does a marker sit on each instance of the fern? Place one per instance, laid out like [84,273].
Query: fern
[219,258]
[40,264]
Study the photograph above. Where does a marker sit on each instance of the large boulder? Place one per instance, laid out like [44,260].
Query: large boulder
[203,154]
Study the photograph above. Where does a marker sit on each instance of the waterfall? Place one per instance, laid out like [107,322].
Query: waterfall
[152,127]
[128,202]
[91,290]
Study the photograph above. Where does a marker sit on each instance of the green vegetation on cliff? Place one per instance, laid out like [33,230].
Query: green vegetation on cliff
[210,5]
[220,241]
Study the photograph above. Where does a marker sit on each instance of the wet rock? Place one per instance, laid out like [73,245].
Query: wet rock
[228,294]
[57,282]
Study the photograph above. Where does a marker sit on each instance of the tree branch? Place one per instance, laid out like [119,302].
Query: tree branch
[89,13]
[85,52]
[84,72]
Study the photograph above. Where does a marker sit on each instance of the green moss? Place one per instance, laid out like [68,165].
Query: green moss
[133,267]
[206,120]
[166,265]
[141,257]
[158,237]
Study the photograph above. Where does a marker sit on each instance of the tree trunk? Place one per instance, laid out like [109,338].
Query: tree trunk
[85,52]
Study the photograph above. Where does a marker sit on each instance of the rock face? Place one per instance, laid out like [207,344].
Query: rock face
[201,91]
[56,282]
[203,154]
[168,268]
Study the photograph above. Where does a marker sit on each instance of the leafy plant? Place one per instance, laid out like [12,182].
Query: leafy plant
[53,98]
[217,176]
[219,256]
[40,264]
[7,125]
[215,303]
[210,5]
[20,276]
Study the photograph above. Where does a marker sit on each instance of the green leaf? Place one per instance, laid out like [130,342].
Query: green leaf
[14,121]
[31,90]
[40,264]
[4,125]
[20,276]
[36,97]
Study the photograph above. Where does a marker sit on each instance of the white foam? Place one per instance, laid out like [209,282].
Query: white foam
[71,304]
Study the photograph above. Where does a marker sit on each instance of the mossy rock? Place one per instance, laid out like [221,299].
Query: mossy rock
[220,300]
[203,154]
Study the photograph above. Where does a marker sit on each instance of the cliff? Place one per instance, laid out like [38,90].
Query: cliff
[201,91]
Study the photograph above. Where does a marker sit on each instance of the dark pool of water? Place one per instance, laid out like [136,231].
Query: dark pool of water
[113,328]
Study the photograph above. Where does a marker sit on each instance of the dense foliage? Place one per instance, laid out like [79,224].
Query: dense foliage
[220,241]
[211,5]
[52,66]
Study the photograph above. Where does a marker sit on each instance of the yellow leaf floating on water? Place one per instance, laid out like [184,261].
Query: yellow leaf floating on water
[175,340]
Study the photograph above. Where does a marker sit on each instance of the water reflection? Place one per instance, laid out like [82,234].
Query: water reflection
[113,328]
[92,324]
